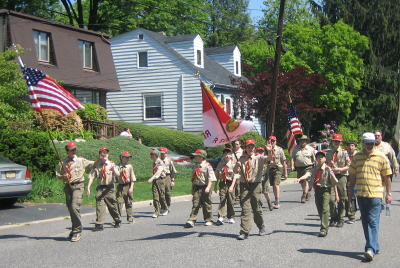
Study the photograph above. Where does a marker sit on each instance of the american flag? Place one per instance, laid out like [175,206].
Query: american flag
[293,121]
[46,93]
[294,128]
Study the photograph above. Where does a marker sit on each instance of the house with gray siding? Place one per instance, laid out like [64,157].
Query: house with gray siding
[158,82]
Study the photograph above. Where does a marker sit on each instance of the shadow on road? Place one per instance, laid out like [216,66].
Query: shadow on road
[296,232]
[353,255]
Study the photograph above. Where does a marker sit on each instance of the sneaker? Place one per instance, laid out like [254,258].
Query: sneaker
[208,223]
[322,234]
[369,255]
[262,231]
[271,207]
[242,236]
[154,216]
[231,221]
[303,199]
[164,212]
[351,221]
[220,221]
[189,224]
[332,223]
[76,237]
[339,224]
[131,221]
[70,236]
[308,196]
[117,225]
[98,227]
[277,205]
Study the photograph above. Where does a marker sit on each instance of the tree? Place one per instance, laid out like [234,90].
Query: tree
[333,51]
[379,21]
[230,23]
[254,95]
[13,91]
[39,8]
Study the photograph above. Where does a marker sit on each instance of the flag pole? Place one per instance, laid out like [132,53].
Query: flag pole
[48,131]
[222,127]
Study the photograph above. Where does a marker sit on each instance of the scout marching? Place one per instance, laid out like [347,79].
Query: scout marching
[243,175]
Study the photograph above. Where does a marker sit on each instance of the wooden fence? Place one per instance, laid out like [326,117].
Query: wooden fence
[103,130]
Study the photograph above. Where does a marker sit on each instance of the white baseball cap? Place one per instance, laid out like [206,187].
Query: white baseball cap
[368,137]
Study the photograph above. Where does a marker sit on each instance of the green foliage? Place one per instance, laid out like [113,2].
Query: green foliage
[349,134]
[29,148]
[13,89]
[93,112]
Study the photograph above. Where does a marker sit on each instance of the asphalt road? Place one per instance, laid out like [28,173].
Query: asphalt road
[291,241]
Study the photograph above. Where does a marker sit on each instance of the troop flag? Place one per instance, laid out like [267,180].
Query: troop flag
[294,128]
[46,93]
[218,127]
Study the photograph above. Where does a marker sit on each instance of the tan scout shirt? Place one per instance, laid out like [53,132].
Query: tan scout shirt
[78,167]
[169,167]
[388,151]
[158,170]
[341,159]
[129,171]
[327,179]
[220,167]
[206,174]
[238,154]
[256,170]
[97,173]
[277,157]
[303,157]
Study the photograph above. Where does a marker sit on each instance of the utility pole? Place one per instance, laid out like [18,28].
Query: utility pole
[276,68]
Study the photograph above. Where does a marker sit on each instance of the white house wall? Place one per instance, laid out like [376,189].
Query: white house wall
[165,74]
[228,60]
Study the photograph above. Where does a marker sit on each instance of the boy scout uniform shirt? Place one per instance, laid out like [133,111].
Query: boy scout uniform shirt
[78,166]
[129,171]
[158,170]
[220,169]
[388,151]
[303,157]
[340,160]
[326,180]
[97,173]
[206,174]
[169,167]
[256,168]
[277,157]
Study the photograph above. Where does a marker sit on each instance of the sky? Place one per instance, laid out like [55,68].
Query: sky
[255,8]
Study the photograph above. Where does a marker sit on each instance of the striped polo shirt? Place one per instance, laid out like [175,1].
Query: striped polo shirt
[369,171]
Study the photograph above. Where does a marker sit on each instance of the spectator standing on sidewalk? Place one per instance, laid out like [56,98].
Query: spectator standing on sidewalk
[369,173]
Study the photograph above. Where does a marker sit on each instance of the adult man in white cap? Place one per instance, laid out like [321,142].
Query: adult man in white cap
[369,173]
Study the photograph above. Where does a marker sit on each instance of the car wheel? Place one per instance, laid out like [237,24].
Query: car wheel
[8,202]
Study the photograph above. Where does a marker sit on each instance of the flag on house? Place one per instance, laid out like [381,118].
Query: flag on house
[46,93]
[218,127]
[294,128]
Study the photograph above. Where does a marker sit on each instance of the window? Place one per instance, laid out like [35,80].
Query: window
[142,59]
[85,96]
[237,67]
[140,36]
[42,44]
[152,107]
[228,106]
[198,57]
[86,50]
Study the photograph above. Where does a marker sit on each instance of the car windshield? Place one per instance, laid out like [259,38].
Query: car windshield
[4,160]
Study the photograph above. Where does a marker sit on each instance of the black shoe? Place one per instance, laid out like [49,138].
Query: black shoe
[117,225]
[339,224]
[70,236]
[351,221]
[322,234]
[242,237]
[98,227]
[332,223]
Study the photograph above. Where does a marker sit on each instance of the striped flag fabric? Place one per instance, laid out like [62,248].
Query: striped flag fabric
[293,121]
[294,128]
[46,93]
[218,127]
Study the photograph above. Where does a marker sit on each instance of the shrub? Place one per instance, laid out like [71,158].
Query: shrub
[93,112]
[70,124]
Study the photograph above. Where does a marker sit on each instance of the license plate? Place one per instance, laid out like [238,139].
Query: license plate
[10,175]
